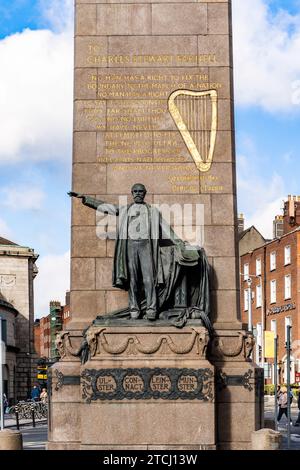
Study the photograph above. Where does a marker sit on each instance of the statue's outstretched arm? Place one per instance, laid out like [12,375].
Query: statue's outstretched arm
[96,204]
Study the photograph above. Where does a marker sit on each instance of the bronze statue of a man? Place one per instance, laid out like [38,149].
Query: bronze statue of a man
[151,262]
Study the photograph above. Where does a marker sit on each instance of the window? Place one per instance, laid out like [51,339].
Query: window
[287,255]
[274,326]
[258,266]
[4,331]
[273,261]
[287,322]
[273,292]
[258,296]
[287,287]
[259,334]
[246,271]
[268,370]
[246,300]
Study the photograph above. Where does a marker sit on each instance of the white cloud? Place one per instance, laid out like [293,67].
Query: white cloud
[23,198]
[58,13]
[263,217]
[266,51]
[52,281]
[260,195]
[36,96]
[5,232]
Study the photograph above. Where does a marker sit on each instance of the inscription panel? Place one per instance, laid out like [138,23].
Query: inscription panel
[147,384]
[147,83]
[139,146]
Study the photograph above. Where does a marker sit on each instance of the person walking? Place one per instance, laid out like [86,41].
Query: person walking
[278,392]
[283,404]
[44,395]
[35,393]
[297,423]
[5,403]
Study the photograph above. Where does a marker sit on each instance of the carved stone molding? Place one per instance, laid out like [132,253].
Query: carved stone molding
[113,342]
[58,380]
[69,344]
[239,345]
[224,380]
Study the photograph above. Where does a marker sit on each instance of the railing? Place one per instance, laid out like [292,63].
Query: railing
[30,410]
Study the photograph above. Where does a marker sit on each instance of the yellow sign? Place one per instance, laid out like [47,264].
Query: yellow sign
[269,344]
[42,376]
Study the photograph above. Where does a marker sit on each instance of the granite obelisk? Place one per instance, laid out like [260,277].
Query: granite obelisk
[153,103]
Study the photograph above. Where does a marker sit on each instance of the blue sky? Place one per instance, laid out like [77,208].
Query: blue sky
[36,121]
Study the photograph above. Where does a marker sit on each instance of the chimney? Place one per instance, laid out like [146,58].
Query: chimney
[291,213]
[278,226]
[67,299]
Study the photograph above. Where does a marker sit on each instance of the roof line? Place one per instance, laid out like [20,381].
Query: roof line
[248,230]
[268,242]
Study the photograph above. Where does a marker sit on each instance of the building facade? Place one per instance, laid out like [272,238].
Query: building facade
[8,316]
[17,273]
[46,328]
[249,240]
[274,293]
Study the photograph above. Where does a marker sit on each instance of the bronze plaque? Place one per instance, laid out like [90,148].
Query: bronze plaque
[106,384]
[160,383]
[187,383]
[133,383]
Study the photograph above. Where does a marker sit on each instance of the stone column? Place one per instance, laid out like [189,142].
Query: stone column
[129,58]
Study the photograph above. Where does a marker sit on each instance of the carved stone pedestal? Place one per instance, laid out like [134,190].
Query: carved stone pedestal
[142,388]
[239,388]
[154,388]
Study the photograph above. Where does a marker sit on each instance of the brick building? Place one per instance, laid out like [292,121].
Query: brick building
[66,314]
[37,337]
[17,273]
[46,328]
[274,270]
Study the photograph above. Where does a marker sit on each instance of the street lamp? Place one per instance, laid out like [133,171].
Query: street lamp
[250,321]
[288,360]
[263,326]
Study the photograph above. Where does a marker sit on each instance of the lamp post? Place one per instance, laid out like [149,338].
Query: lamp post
[288,360]
[275,380]
[250,326]
[263,326]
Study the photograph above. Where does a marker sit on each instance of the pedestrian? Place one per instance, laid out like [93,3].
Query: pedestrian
[5,403]
[35,393]
[44,395]
[283,404]
[278,392]
[297,423]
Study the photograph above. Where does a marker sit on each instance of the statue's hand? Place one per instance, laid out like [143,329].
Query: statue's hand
[73,194]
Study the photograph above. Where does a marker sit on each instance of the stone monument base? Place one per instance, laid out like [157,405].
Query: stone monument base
[142,388]
[152,387]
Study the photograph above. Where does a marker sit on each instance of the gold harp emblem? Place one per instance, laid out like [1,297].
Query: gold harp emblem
[195,114]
